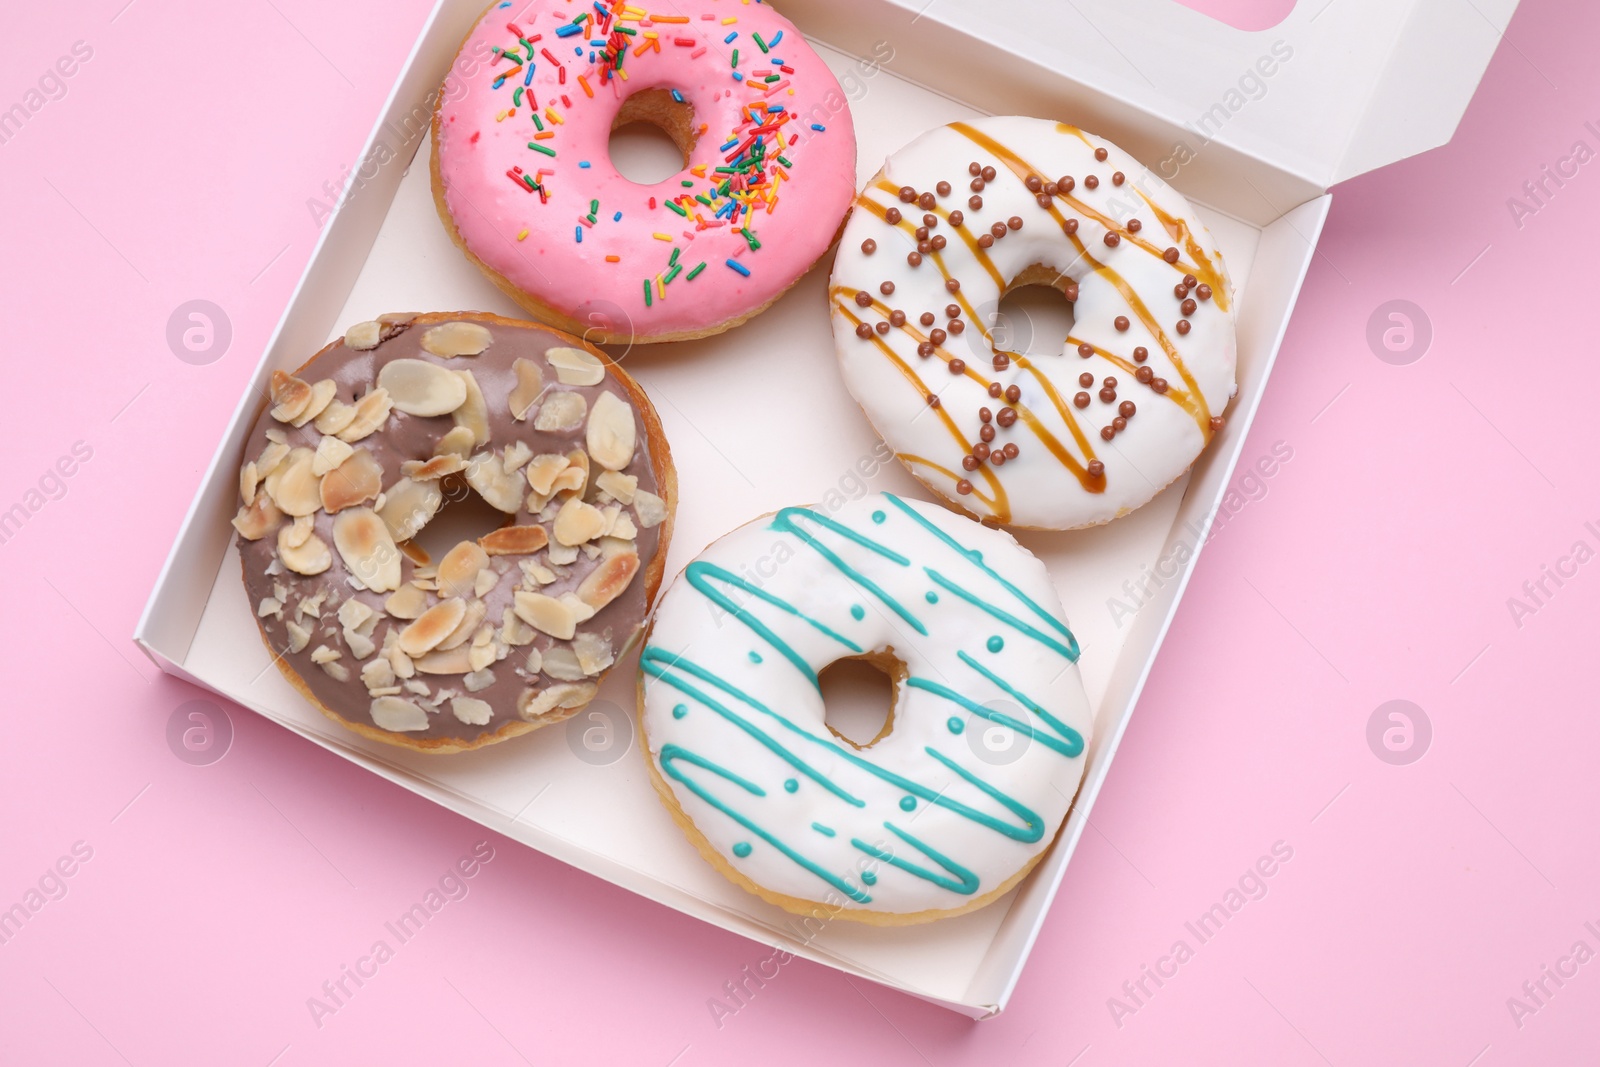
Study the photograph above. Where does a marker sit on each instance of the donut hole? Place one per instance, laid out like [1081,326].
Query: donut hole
[1033,315]
[652,137]
[464,516]
[858,697]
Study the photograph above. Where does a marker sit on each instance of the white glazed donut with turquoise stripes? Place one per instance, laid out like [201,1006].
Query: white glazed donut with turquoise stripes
[990,720]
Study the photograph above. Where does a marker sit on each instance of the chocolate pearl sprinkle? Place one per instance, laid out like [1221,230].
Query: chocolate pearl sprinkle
[974,169]
[1011,450]
[1033,183]
[980,451]
[938,241]
[998,457]
[1100,154]
[985,240]
[1051,189]
[976,185]
[1121,323]
[930,220]
[986,432]
[994,389]
[1014,222]
[1095,469]
[936,336]
[1134,225]
[998,229]
[985,415]
[963,487]
[1203,292]
[1170,255]
[914,258]
[1108,395]
[1044,200]
[957,218]
[1126,409]
[952,284]
[1159,385]
[958,366]
[1081,400]
[1141,354]
[920,233]
[1001,361]
[886,288]
[988,174]
[1065,184]
[1107,433]
[897,318]
[1112,240]
[1119,424]
[975,203]
[933,401]
[1013,393]
[1007,416]
[1110,382]
[925,349]
[1190,280]
[1183,326]
[1086,379]
[1180,290]
[926,318]
[907,194]
[863,331]
[969,463]
[957,326]
[869,246]
[864,299]
[892,216]
[1189,306]
[1217,422]
[952,311]
[924,246]
[1086,350]
[882,327]
[943,188]
[1117,178]
[1143,375]
[926,200]
[1091,182]
[1070,226]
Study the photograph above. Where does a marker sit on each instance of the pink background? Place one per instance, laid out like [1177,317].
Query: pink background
[1378,566]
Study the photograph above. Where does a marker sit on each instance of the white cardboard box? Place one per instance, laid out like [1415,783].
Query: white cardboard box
[1353,84]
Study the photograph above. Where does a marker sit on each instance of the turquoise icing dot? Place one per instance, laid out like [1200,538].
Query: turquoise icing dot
[869,878]
[790,785]
[908,803]
[955,724]
[742,849]
[680,711]
[857,611]
[932,597]
[996,643]
[878,516]
[755,657]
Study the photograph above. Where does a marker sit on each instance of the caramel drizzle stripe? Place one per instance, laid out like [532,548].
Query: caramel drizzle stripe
[1199,409]
[999,503]
[1178,231]
[1201,268]
[1029,419]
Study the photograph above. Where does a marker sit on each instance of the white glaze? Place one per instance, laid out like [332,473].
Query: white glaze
[693,637]
[1037,489]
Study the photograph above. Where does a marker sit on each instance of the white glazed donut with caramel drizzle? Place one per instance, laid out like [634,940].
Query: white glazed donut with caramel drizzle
[971,210]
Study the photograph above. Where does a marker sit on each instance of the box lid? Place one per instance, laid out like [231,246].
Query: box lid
[1333,90]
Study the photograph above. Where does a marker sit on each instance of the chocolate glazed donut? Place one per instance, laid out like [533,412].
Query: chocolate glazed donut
[514,630]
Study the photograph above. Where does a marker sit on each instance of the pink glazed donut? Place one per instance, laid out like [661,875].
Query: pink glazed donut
[523,180]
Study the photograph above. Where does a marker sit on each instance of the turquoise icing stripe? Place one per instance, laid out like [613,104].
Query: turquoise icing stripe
[973,556]
[1073,739]
[965,882]
[671,754]
[784,522]
[700,575]
[961,700]
[1006,617]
